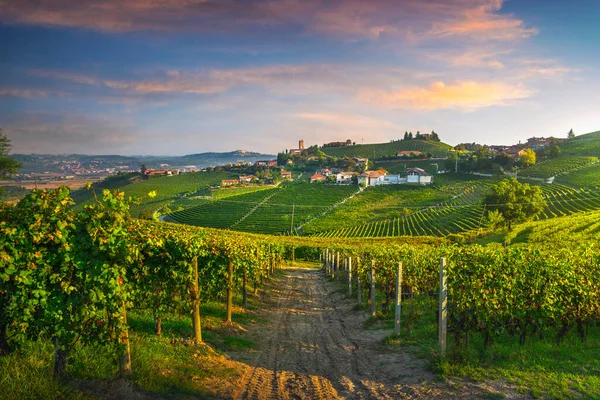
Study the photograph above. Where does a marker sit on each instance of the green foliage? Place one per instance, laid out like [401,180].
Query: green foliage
[527,157]
[517,202]
[8,165]
[494,219]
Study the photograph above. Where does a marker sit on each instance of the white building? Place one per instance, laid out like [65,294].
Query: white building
[418,175]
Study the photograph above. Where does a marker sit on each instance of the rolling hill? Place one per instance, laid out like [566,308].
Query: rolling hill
[385,150]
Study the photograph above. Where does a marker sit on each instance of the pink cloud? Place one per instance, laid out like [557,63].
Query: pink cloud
[467,95]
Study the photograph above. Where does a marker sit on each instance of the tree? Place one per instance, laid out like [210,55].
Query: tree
[8,165]
[410,135]
[517,202]
[143,169]
[571,134]
[405,135]
[434,136]
[527,157]
[553,151]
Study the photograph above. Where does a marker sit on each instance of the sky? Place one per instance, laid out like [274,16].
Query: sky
[175,77]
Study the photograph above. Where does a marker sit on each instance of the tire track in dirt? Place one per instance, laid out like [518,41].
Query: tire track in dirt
[315,346]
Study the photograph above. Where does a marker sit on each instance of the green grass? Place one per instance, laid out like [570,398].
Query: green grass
[383,150]
[540,368]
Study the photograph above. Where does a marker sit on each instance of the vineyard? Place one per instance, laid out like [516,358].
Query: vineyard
[391,202]
[463,212]
[385,150]
[71,277]
[168,188]
[583,145]
[267,211]
[588,176]
[563,231]
[547,169]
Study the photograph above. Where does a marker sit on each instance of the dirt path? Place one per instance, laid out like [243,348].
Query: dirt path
[315,347]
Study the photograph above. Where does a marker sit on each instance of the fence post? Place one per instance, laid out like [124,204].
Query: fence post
[398,300]
[337,264]
[373,305]
[443,306]
[349,276]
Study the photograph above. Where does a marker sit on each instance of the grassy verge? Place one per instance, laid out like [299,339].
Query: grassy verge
[165,366]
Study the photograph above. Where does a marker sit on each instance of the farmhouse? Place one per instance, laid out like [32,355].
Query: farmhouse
[317,178]
[418,175]
[286,175]
[247,178]
[370,178]
[229,182]
[345,177]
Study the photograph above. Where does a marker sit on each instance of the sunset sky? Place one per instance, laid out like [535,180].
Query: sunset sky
[187,76]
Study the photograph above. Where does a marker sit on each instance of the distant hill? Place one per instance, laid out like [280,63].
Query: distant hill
[386,150]
[74,164]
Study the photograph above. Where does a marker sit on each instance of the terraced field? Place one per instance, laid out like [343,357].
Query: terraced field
[546,169]
[383,150]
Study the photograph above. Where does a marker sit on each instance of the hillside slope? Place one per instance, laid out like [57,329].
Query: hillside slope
[582,145]
[384,150]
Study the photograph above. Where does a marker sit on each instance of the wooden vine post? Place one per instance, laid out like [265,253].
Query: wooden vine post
[373,305]
[337,265]
[229,290]
[195,294]
[349,276]
[358,287]
[125,357]
[443,311]
[398,310]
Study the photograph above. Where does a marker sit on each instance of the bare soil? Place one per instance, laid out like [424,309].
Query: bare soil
[315,346]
